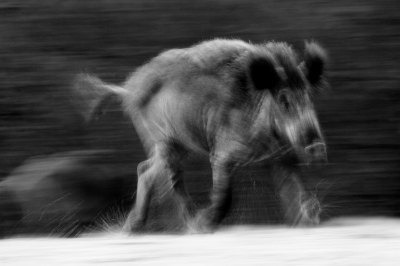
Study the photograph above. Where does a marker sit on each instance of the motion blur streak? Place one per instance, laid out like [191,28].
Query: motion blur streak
[43,44]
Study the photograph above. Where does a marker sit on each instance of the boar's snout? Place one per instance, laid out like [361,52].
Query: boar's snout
[316,152]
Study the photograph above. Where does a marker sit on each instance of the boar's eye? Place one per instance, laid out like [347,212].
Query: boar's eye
[263,74]
[283,100]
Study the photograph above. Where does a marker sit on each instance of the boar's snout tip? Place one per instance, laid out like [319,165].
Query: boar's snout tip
[316,153]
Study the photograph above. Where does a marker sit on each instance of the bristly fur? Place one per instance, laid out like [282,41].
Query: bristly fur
[288,59]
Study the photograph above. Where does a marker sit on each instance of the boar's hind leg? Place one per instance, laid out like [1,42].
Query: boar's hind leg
[300,207]
[161,170]
[138,214]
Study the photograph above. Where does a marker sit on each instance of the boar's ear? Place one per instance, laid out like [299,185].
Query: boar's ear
[315,59]
[263,74]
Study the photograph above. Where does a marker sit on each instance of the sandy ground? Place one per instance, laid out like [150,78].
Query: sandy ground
[367,241]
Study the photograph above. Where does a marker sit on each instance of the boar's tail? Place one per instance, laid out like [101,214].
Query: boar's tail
[91,95]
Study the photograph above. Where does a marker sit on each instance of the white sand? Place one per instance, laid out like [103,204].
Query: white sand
[373,241]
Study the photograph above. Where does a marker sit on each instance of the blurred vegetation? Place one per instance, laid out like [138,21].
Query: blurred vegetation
[43,44]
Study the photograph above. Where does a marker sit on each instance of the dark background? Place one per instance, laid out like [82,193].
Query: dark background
[43,44]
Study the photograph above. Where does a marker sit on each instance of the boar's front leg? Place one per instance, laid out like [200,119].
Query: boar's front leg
[299,206]
[221,195]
